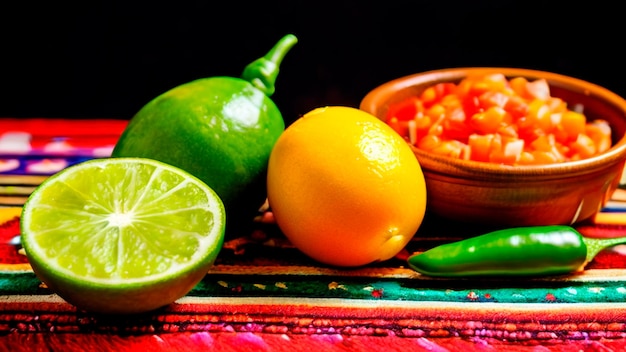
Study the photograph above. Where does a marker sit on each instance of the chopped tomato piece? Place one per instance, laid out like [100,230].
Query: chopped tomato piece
[539,115]
[508,130]
[429,142]
[433,95]
[451,148]
[518,85]
[488,121]
[516,106]
[573,123]
[455,125]
[480,145]
[436,111]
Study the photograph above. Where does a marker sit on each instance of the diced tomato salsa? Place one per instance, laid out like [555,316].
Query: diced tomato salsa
[494,119]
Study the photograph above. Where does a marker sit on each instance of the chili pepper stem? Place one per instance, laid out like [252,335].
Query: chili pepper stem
[597,245]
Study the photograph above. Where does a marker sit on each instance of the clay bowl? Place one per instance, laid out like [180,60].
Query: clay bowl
[493,194]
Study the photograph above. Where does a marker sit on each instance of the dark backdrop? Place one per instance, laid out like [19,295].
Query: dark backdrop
[107,58]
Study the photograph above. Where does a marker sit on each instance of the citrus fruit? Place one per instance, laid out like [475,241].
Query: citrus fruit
[344,188]
[122,235]
[220,129]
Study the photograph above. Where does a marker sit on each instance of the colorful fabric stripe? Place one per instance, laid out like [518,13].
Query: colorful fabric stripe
[263,294]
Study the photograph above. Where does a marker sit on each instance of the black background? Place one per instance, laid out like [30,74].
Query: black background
[95,59]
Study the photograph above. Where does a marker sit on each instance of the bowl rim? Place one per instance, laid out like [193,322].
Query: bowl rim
[617,153]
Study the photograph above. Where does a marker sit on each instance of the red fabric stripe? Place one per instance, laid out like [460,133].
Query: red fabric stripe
[63,127]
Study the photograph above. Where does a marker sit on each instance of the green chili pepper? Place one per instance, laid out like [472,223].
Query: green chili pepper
[522,251]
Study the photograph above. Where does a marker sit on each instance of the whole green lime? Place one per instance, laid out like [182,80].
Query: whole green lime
[219,129]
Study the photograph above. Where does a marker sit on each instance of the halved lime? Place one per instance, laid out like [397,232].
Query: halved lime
[122,235]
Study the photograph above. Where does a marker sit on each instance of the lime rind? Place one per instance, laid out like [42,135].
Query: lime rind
[157,221]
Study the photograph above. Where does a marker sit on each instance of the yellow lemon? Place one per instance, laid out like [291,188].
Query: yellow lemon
[344,188]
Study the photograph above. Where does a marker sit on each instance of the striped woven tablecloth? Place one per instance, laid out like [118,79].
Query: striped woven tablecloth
[263,294]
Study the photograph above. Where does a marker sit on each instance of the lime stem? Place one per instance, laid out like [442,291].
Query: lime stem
[262,72]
